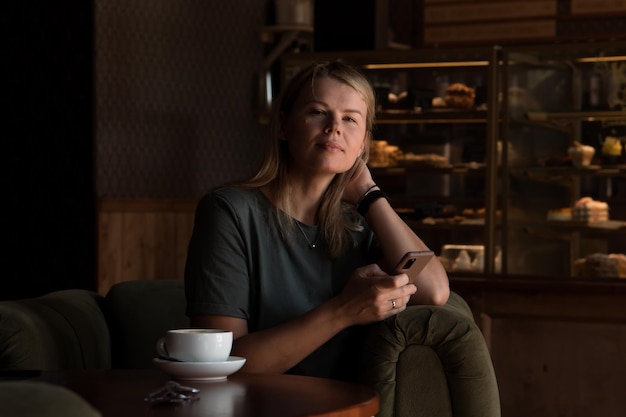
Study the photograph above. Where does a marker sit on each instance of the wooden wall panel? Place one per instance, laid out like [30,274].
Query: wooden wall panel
[558,347]
[184,226]
[559,368]
[109,249]
[142,239]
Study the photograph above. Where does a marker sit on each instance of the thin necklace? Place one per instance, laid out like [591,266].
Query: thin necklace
[317,235]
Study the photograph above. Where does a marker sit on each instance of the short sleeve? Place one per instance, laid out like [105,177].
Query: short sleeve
[216,271]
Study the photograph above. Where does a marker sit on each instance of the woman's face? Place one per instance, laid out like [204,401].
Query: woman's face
[326,128]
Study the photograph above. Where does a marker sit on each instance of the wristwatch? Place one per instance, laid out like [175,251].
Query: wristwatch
[366,201]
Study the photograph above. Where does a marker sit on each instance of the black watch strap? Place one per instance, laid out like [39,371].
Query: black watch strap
[367,201]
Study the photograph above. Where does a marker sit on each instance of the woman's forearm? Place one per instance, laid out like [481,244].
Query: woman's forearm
[280,348]
[396,238]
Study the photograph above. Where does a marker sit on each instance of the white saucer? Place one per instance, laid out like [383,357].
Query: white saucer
[200,371]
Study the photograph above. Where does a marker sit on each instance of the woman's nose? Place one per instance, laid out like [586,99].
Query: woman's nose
[332,127]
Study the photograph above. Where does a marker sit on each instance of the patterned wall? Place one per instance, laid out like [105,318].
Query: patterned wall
[174,95]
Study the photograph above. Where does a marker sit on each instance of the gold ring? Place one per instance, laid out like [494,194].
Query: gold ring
[393,304]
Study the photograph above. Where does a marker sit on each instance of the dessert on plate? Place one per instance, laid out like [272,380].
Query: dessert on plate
[581,155]
[600,265]
[459,96]
[589,210]
[561,214]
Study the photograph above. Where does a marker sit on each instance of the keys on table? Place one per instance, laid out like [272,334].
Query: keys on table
[172,392]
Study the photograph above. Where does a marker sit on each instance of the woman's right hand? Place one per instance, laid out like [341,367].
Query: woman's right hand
[372,295]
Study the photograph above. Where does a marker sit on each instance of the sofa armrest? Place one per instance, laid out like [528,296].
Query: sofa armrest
[431,361]
[60,330]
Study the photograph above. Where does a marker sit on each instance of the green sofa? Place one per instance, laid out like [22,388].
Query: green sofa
[427,361]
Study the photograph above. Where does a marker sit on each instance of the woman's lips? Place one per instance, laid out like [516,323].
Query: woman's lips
[330,146]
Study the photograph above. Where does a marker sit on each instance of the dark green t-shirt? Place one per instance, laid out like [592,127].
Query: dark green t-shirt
[239,265]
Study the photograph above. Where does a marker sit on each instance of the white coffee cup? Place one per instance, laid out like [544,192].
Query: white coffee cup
[196,345]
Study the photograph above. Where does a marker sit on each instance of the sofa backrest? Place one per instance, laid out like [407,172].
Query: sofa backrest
[138,313]
[61,330]
[80,329]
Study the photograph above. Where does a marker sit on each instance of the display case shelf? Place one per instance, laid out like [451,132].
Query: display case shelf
[446,116]
[476,224]
[458,169]
[608,226]
[567,175]
[577,116]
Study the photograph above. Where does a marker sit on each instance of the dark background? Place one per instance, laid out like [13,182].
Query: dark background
[49,222]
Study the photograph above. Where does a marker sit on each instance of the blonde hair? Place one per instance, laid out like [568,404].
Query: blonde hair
[336,219]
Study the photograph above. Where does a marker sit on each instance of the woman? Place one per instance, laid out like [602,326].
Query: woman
[284,260]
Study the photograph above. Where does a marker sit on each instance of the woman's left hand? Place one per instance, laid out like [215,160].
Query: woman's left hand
[372,295]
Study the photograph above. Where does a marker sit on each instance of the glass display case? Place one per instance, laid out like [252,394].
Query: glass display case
[564,171]
[472,147]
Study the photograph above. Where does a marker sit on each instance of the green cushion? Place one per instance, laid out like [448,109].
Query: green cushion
[60,330]
[139,312]
[41,399]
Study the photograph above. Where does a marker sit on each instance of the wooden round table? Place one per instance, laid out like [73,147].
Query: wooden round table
[119,393]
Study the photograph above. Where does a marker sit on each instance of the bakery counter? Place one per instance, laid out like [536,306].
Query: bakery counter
[464,282]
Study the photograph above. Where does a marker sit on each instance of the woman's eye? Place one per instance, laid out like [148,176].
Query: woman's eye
[317,111]
[350,119]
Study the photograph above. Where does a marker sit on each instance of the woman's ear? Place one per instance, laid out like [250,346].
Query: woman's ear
[366,143]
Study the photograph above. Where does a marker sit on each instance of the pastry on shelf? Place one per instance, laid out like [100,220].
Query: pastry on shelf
[471,213]
[459,96]
[463,262]
[581,155]
[438,103]
[382,154]
[378,154]
[428,159]
[611,150]
[588,210]
[463,257]
[600,265]
[561,214]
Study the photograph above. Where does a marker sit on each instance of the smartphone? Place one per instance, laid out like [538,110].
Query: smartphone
[412,263]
